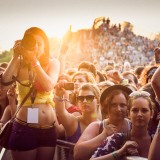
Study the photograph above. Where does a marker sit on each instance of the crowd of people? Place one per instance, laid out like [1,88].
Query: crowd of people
[106,107]
[112,44]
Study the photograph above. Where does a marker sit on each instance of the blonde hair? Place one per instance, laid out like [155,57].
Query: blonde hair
[88,76]
[91,87]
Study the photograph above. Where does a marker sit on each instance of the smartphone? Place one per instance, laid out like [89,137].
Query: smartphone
[69,86]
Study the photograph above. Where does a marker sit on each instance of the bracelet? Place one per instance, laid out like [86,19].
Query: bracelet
[60,99]
[35,63]
[115,155]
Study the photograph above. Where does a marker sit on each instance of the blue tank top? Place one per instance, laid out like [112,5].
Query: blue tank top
[74,138]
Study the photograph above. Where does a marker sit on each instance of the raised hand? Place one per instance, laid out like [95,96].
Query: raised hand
[109,129]
[66,41]
[17,48]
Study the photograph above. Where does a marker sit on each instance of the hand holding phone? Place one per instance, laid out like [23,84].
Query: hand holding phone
[69,86]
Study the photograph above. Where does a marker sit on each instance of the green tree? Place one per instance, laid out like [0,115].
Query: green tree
[5,56]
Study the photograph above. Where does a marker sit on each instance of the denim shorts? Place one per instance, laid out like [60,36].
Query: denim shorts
[24,137]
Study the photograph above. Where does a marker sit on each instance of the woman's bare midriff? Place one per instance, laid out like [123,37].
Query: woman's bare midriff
[46,114]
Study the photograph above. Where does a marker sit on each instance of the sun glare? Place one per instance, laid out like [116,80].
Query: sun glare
[57,32]
[60,30]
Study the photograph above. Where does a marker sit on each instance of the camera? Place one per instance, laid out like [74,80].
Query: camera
[28,42]
[69,86]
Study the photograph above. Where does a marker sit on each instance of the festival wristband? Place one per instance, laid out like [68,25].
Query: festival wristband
[60,99]
[115,155]
[35,63]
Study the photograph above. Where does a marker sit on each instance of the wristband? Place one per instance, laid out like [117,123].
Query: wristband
[115,155]
[60,99]
[35,63]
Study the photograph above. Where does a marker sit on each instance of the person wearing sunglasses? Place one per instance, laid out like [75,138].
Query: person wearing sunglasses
[87,99]
[79,78]
[114,108]
[137,141]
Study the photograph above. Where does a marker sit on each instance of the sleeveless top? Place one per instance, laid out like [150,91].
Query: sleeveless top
[74,138]
[41,97]
[102,125]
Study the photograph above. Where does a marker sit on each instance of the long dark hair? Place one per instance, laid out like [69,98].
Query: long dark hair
[44,58]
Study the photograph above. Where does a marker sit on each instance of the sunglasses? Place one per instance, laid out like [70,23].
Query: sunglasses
[88,98]
[139,94]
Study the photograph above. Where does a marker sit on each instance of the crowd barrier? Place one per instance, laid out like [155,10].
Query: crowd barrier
[63,151]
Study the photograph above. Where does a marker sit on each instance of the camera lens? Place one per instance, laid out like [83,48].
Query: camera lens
[28,42]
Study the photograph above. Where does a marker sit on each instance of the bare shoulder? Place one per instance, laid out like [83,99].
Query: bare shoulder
[95,124]
[91,131]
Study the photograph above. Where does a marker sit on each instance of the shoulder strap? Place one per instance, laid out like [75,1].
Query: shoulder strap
[101,127]
[25,98]
[127,136]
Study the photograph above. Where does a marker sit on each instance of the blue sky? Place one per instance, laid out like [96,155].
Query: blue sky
[55,16]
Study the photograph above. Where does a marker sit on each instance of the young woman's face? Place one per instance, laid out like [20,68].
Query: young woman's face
[118,107]
[87,101]
[140,112]
[37,51]
[78,81]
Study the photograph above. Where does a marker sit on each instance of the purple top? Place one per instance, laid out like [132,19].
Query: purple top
[111,144]
[74,138]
